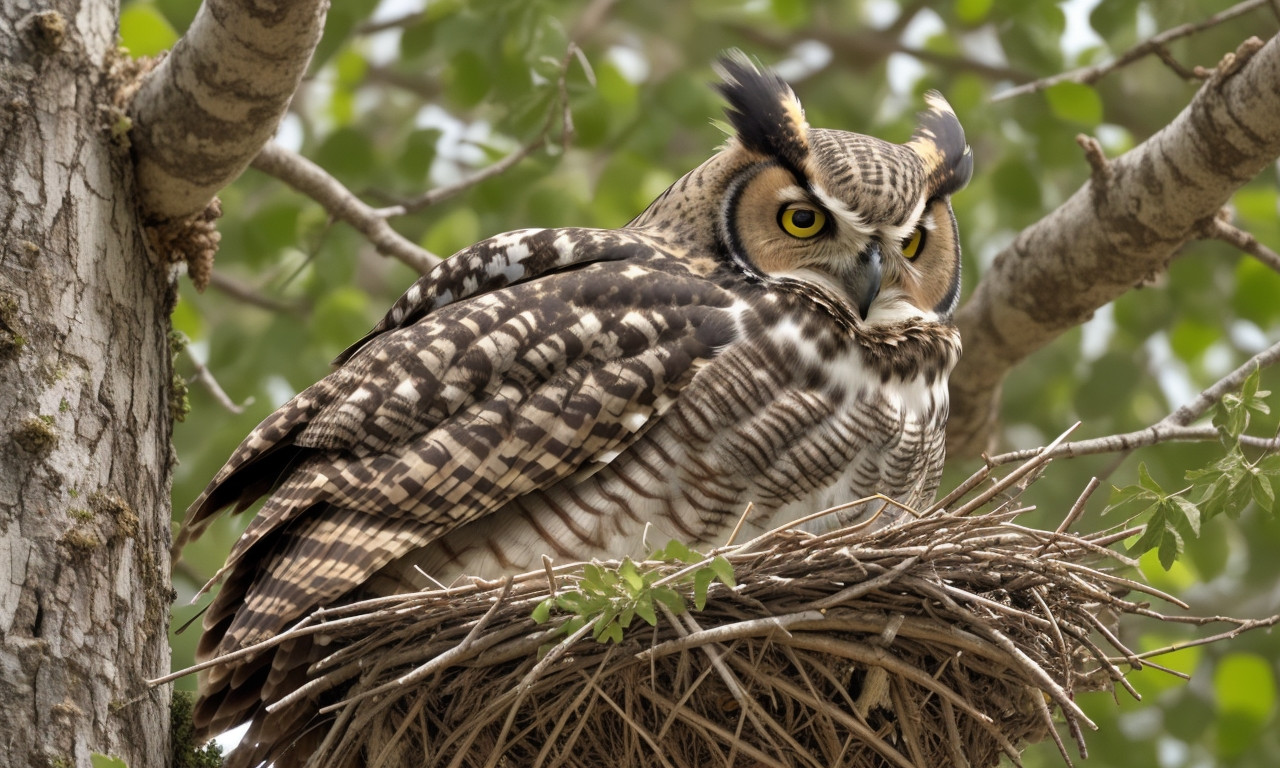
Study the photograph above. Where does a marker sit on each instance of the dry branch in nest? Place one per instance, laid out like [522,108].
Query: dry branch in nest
[948,640]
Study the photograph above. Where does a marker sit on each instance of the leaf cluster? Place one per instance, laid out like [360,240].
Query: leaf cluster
[610,598]
[1225,485]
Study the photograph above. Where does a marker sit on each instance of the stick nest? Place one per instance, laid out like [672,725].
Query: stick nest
[946,640]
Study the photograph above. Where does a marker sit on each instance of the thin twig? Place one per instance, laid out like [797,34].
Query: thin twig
[1223,230]
[1171,428]
[246,293]
[316,183]
[1090,75]
[1241,626]
[1074,514]
[205,377]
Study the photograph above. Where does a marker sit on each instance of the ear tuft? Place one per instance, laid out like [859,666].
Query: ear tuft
[764,110]
[939,141]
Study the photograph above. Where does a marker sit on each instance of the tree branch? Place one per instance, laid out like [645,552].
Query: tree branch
[1156,45]
[1117,231]
[1221,229]
[314,182]
[1174,427]
[204,112]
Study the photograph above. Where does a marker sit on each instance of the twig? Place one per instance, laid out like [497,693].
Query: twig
[1241,626]
[1223,230]
[1176,66]
[205,377]
[434,665]
[733,535]
[1173,427]
[247,294]
[749,628]
[1034,460]
[1090,75]
[316,183]
[1074,514]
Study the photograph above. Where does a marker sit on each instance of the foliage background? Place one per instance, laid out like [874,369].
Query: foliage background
[455,85]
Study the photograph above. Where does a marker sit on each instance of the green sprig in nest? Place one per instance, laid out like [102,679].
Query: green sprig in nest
[948,640]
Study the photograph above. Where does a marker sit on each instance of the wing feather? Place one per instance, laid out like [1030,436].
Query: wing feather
[450,410]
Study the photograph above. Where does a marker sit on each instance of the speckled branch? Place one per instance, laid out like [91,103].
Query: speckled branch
[207,109]
[1117,231]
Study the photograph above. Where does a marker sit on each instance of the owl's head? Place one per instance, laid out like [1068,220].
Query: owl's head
[863,216]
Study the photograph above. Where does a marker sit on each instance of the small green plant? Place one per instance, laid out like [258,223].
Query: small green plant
[1225,485]
[611,598]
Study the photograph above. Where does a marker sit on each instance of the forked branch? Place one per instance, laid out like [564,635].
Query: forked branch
[1112,235]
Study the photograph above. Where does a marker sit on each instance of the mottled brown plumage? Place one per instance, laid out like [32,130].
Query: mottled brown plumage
[770,330]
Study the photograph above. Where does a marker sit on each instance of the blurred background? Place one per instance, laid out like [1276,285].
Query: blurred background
[405,96]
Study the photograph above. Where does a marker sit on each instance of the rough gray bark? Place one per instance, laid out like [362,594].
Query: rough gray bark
[1119,230]
[217,98]
[84,402]
[85,375]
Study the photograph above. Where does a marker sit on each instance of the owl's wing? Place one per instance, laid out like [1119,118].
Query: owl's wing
[526,360]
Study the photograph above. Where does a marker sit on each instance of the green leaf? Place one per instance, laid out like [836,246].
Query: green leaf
[468,78]
[723,570]
[572,602]
[1112,378]
[1075,102]
[1151,537]
[1191,339]
[628,573]
[573,625]
[1263,494]
[972,12]
[670,598]
[612,633]
[454,231]
[337,313]
[1129,494]
[104,761]
[1170,548]
[1111,17]
[1238,498]
[1256,288]
[644,609]
[542,612]
[419,153]
[145,31]
[790,13]
[1244,684]
[702,579]
[615,89]
[348,154]
[676,550]
[1190,514]
[604,621]
[1146,481]
[593,578]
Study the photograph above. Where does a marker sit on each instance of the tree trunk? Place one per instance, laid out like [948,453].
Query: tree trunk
[85,386]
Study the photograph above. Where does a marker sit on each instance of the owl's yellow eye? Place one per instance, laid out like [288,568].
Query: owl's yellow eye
[911,248]
[802,221]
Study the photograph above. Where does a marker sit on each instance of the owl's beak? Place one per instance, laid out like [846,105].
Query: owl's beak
[870,272]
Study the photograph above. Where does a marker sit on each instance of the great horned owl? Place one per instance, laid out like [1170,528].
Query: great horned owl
[775,328]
